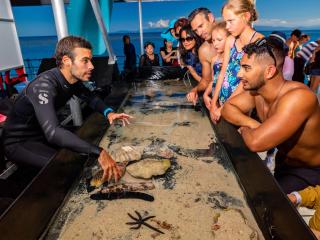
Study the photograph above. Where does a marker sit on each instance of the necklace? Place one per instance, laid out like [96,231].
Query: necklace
[265,115]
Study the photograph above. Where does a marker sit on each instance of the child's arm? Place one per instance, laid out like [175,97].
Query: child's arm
[206,97]
[226,58]
[310,197]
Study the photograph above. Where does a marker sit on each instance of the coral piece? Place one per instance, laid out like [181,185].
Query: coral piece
[148,168]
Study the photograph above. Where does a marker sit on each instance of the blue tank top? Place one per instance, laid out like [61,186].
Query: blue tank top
[193,61]
[216,71]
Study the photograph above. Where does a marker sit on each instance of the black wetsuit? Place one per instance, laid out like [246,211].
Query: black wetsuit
[32,132]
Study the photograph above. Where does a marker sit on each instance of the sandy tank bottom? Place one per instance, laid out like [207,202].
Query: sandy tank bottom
[199,196]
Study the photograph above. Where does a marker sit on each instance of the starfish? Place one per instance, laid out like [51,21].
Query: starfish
[139,221]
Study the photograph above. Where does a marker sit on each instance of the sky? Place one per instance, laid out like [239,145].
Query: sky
[39,21]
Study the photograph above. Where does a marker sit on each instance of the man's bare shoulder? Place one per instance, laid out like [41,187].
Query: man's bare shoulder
[298,94]
[205,46]
[206,52]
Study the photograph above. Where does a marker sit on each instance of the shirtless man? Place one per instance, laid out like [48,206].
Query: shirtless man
[202,22]
[288,110]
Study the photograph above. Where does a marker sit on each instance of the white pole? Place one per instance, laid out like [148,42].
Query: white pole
[141,29]
[97,12]
[60,18]
[255,6]
[62,31]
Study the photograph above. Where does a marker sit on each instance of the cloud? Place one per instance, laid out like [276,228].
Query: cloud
[288,23]
[159,24]
[271,22]
[312,22]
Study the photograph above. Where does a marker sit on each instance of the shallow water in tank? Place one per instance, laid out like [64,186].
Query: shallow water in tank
[198,197]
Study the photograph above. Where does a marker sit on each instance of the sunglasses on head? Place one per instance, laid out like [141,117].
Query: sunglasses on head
[188,39]
[264,43]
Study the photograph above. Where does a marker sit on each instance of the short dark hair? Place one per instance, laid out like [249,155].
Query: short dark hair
[125,37]
[183,52]
[148,43]
[181,22]
[66,46]
[296,33]
[195,12]
[266,47]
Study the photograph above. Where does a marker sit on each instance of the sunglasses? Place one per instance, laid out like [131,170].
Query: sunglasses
[264,43]
[188,39]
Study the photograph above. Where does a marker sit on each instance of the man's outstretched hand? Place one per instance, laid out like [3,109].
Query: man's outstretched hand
[122,116]
[109,166]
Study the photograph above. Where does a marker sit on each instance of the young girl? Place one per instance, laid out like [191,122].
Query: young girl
[238,15]
[219,37]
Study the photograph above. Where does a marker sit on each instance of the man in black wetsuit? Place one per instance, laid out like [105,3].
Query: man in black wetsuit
[32,132]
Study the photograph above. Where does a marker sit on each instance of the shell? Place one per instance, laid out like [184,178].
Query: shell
[127,153]
[148,168]
[158,149]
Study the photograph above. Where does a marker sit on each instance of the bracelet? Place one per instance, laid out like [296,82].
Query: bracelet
[107,111]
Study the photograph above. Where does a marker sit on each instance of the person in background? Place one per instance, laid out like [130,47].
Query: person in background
[293,42]
[149,58]
[219,37]
[239,16]
[314,70]
[188,48]
[304,38]
[288,66]
[288,112]
[202,22]
[168,54]
[302,58]
[32,133]
[170,33]
[310,198]
[130,60]
[181,22]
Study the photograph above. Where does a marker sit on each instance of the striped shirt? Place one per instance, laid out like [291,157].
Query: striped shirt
[307,50]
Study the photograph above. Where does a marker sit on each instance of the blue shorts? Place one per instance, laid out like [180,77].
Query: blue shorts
[315,72]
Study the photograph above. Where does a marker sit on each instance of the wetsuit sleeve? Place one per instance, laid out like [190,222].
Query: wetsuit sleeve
[42,95]
[90,98]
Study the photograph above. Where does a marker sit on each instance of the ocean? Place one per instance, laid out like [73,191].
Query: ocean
[36,48]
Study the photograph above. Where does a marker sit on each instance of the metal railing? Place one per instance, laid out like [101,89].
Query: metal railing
[32,66]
